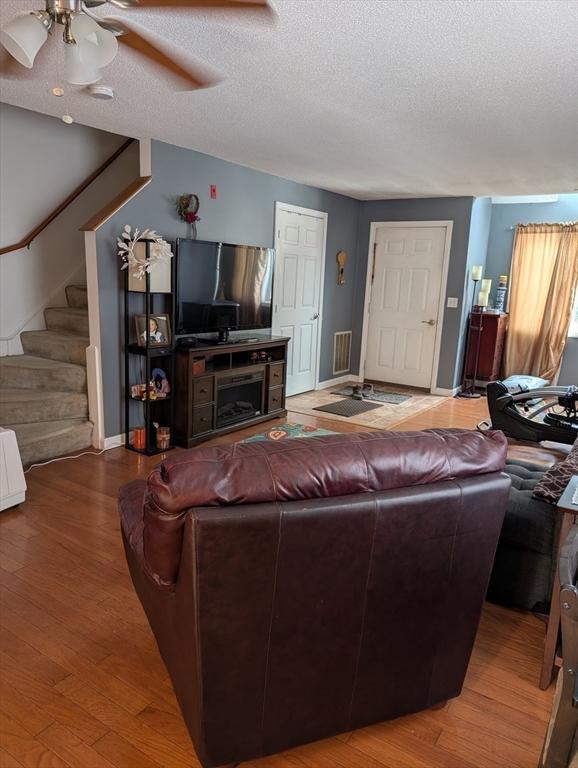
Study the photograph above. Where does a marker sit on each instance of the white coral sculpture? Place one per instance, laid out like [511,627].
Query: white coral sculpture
[159,252]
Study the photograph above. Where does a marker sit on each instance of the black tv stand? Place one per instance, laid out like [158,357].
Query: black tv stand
[223,336]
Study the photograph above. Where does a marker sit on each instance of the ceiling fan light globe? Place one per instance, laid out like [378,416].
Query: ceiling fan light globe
[23,37]
[76,70]
[97,46]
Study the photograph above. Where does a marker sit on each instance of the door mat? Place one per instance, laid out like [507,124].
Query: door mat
[377,396]
[386,416]
[284,431]
[348,407]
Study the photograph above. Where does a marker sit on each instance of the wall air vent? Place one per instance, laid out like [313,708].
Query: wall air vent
[341,352]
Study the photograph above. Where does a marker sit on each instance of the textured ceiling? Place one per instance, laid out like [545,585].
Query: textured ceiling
[371,98]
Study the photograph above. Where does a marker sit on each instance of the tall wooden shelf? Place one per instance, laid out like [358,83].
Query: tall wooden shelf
[140,361]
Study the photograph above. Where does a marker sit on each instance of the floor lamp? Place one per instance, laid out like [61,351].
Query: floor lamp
[469,390]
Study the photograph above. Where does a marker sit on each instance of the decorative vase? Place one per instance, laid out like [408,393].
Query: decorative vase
[193,230]
[501,293]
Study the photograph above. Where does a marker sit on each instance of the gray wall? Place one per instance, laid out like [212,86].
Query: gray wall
[41,161]
[477,251]
[243,212]
[501,241]
[456,209]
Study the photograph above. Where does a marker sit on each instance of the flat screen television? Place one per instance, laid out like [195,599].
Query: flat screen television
[223,287]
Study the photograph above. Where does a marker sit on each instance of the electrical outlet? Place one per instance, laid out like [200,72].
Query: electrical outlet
[213,191]
[452,302]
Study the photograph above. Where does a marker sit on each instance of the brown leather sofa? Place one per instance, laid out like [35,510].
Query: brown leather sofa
[300,589]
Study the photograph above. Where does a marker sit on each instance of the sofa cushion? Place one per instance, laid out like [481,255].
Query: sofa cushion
[296,470]
[523,566]
[529,523]
[555,480]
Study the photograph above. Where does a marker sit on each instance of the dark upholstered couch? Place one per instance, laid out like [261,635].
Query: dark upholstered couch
[523,571]
[300,589]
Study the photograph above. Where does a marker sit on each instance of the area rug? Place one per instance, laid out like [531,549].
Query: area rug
[386,416]
[377,396]
[290,429]
[347,408]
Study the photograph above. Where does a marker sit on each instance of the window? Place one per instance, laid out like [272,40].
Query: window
[573,330]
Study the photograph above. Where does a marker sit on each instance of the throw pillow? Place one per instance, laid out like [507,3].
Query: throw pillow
[555,480]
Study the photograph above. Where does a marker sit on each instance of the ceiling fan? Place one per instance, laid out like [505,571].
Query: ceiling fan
[91,41]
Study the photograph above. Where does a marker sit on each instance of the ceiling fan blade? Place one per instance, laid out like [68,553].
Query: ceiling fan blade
[229,5]
[192,77]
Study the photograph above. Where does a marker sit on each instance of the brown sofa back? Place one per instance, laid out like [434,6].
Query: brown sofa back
[338,465]
[289,611]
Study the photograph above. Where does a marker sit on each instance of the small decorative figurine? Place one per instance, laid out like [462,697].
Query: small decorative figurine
[161,383]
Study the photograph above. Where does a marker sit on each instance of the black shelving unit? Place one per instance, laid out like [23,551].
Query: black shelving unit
[140,361]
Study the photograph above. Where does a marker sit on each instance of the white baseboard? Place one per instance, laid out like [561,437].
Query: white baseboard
[116,441]
[445,392]
[339,380]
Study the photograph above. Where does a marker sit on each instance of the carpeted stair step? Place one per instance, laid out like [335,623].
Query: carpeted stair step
[67,319]
[76,296]
[27,372]
[40,442]
[22,406]
[66,347]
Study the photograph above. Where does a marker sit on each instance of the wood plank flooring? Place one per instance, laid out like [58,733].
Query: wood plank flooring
[82,684]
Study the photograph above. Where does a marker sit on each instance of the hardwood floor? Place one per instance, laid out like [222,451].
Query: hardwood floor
[82,684]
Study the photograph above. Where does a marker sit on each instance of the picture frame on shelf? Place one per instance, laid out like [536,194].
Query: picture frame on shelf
[159,331]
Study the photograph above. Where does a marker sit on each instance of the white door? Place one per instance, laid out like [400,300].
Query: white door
[404,304]
[299,243]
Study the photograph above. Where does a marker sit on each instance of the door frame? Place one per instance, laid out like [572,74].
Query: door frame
[374,226]
[279,206]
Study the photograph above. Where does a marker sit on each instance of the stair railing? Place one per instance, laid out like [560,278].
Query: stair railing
[27,239]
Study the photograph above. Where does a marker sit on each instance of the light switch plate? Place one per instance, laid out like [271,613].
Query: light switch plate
[452,302]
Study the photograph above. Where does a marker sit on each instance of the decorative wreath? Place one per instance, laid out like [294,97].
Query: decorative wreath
[187,208]
[160,251]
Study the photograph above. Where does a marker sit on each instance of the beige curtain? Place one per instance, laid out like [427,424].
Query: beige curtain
[543,284]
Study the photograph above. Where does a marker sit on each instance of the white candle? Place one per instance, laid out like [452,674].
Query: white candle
[486,286]
[483,299]
[477,273]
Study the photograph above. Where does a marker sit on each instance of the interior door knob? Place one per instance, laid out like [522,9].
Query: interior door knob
[315,316]
[429,322]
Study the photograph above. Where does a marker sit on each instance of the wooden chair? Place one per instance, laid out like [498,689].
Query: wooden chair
[561,744]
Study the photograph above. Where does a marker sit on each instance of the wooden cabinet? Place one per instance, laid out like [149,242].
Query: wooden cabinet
[490,330]
[276,374]
[203,390]
[242,384]
[203,420]
[276,399]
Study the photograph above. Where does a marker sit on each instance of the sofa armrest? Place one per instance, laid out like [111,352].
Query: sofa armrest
[162,542]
